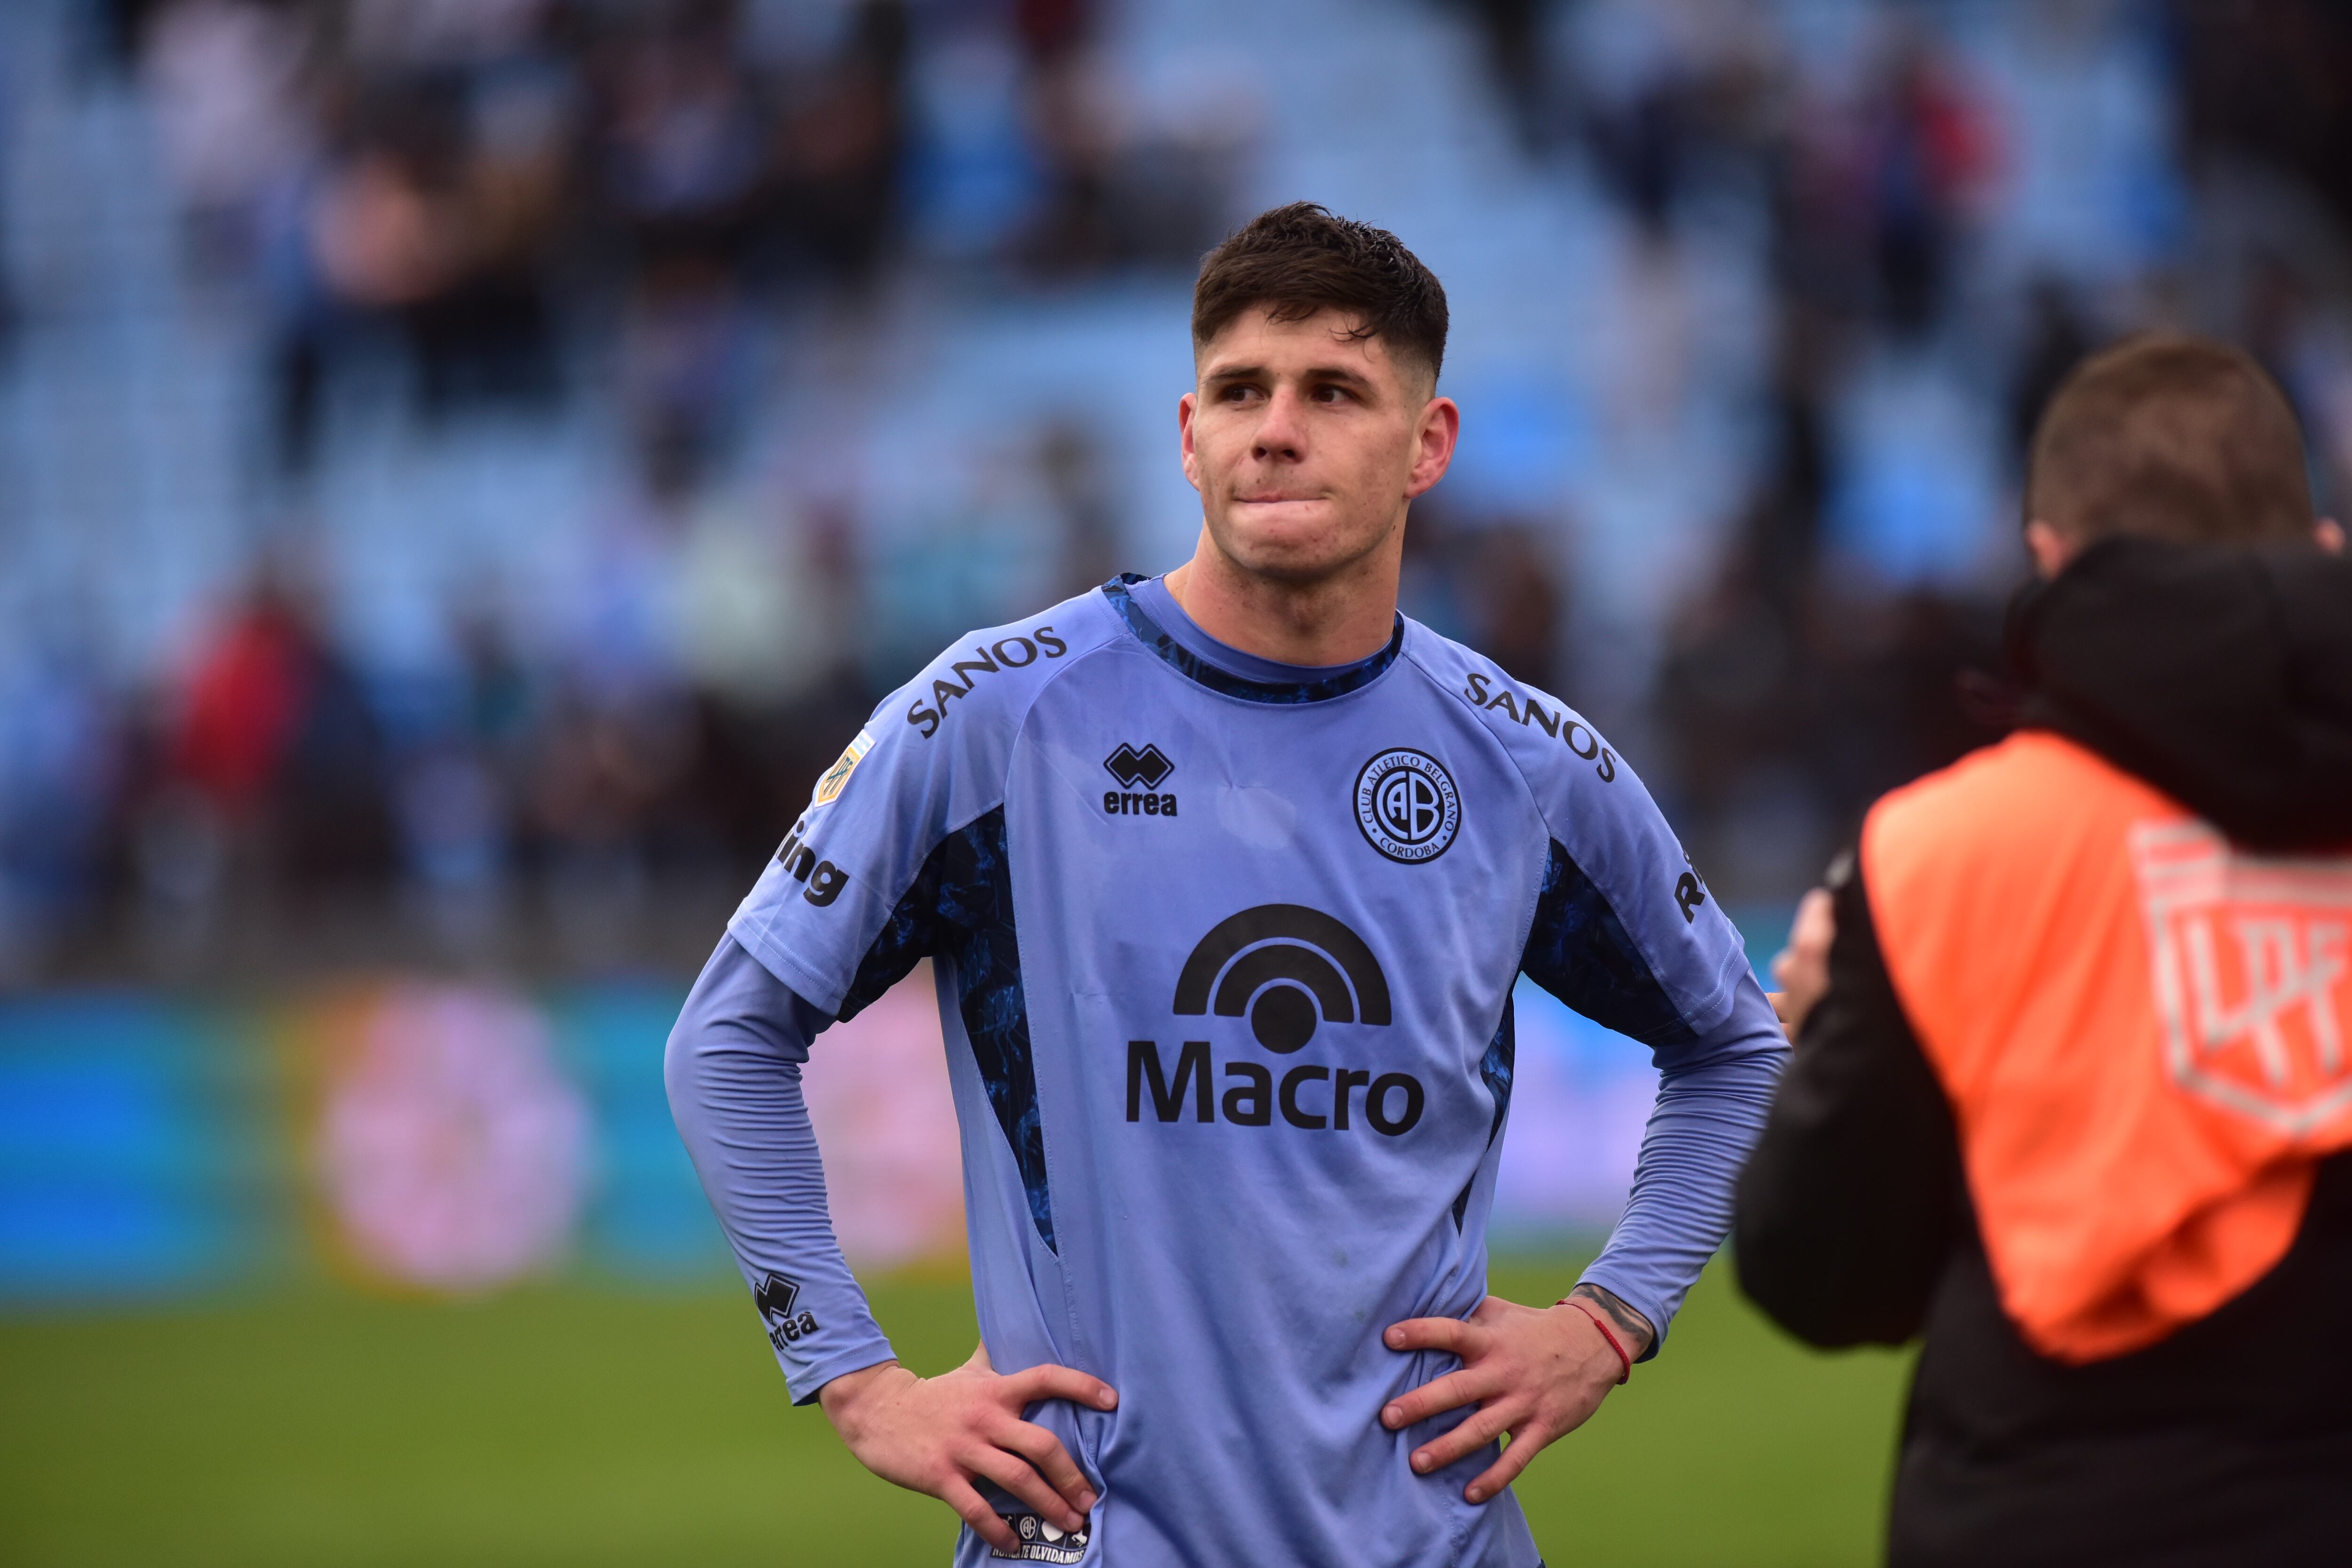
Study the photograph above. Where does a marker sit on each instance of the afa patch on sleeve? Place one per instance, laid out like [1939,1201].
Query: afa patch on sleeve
[829,788]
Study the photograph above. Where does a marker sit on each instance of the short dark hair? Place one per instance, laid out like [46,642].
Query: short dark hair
[1298,259]
[2173,436]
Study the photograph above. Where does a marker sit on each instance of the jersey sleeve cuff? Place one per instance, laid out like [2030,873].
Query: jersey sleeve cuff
[757,939]
[805,1378]
[1724,995]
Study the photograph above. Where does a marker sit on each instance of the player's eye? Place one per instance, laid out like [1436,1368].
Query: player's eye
[1329,394]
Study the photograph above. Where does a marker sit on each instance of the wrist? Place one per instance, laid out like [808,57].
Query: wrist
[1609,1335]
[1631,1329]
[843,1397]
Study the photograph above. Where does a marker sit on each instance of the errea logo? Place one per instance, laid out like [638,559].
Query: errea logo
[1149,768]
[775,1299]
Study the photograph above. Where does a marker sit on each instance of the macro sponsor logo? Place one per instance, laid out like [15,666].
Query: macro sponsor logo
[1149,767]
[1005,653]
[1520,708]
[1286,967]
[775,1298]
[1288,970]
[824,878]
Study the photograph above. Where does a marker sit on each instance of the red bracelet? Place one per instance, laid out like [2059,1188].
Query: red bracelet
[1626,1361]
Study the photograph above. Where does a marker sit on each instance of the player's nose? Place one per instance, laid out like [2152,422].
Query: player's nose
[1281,433]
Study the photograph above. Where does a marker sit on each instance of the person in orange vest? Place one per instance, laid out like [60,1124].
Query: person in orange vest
[2073,1081]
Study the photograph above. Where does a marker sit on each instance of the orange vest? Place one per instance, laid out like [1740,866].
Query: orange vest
[2145,1034]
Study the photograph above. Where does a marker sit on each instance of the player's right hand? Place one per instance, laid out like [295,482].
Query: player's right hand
[939,1435]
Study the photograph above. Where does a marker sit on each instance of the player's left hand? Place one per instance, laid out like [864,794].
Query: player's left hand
[1535,1372]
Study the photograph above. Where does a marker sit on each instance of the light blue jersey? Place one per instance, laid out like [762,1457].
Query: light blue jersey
[1224,952]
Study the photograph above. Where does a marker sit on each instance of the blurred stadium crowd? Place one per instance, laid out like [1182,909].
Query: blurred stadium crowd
[466,465]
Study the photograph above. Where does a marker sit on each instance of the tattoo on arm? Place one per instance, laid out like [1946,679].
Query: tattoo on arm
[1630,1326]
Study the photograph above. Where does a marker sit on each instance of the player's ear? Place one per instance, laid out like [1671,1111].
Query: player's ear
[1186,406]
[1441,428]
[2330,535]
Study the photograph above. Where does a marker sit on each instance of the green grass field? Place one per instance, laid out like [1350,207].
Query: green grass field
[579,1426]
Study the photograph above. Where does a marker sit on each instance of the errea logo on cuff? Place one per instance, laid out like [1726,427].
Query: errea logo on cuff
[775,1296]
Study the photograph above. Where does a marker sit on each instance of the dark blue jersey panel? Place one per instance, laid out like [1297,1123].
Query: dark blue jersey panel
[960,911]
[1494,1069]
[1581,953]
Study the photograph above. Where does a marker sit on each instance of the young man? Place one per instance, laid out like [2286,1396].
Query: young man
[1227,878]
[2071,1091]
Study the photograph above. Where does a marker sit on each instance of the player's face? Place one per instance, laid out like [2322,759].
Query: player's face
[1306,443]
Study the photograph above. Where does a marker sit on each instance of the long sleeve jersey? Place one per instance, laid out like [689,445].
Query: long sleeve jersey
[1224,951]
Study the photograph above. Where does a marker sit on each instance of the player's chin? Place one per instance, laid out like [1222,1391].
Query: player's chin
[1292,540]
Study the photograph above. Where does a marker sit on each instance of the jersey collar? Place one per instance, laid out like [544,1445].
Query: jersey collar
[1316,684]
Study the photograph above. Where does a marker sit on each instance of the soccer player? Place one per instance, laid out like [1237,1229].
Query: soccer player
[1226,878]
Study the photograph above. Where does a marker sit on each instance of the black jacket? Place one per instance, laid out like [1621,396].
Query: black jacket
[2224,678]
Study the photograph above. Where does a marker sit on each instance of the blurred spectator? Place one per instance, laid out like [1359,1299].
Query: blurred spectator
[227,78]
[462,776]
[1931,152]
[2056,340]
[2265,78]
[1513,33]
[1795,691]
[682,140]
[605,761]
[278,757]
[61,765]
[1076,119]
[419,230]
[840,140]
[1492,581]
[1667,96]
[1125,182]
[683,367]
[1077,486]
[115,29]
[396,35]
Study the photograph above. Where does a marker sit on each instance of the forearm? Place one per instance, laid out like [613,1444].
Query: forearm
[732,1069]
[1713,1098]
